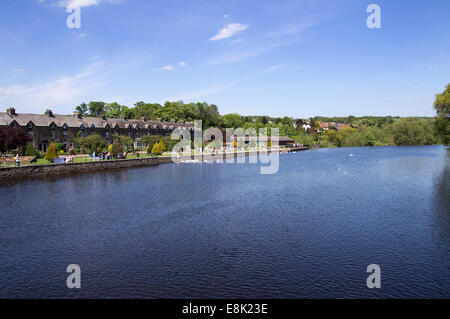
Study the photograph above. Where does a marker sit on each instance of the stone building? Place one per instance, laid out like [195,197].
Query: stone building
[48,127]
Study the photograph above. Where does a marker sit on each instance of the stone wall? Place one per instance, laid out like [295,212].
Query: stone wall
[33,171]
[22,172]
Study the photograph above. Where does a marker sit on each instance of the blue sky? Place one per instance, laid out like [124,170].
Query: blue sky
[297,58]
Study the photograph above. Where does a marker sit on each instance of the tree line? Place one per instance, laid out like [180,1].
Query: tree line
[363,131]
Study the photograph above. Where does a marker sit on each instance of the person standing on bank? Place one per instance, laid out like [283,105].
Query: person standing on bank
[17,160]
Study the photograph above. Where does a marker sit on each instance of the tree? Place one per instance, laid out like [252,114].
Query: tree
[60,147]
[442,124]
[91,143]
[162,146]
[31,151]
[232,120]
[156,150]
[125,142]
[12,138]
[51,152]
[115,148]
[412,132]
[337,138]
[368,139]
[96,108]
[113,110]
[82,109]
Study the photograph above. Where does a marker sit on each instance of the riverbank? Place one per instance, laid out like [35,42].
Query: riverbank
[37,171]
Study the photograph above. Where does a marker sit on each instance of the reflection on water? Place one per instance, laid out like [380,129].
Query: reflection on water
[222,230]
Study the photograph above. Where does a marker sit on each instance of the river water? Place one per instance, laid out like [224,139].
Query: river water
[225,231]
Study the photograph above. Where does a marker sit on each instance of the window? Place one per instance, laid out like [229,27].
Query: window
[81,131]
[92,129]
[129,131]
[64,132]
[52,131]
[30,129]
[107,134]
[137,131]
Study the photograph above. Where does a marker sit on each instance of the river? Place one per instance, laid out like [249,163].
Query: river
[225,231]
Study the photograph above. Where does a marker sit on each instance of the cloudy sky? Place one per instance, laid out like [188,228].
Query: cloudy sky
[298,58]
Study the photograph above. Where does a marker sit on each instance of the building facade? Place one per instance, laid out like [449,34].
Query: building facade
[46,128]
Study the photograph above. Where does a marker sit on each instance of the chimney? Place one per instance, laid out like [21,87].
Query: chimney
[159,119]
[77,115]
[11,111]
[122,117]
[101,116]
[142,118]
[49,113]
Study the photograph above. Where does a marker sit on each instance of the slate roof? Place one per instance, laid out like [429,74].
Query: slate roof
[73,121]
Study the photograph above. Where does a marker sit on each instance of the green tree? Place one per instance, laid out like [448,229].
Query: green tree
[82,109]
[31,151]
[368,139]
[442,124]
[96,108]
[115,149]
[232,120]
[124,141]
[51,152]
[60,147]
[91,143]
[113,110]
[337,138]
[412,132]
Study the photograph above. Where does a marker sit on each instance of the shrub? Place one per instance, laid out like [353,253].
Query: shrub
[60,147]
[31,151]
[12,138]
[369,139]
[156,150]
[51,153]
[124,141]
[162,146]
[92,143]
[116,149]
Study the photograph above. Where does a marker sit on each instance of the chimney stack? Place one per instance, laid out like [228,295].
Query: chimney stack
[11,111]
[142,118]
[77,115]
[49,113]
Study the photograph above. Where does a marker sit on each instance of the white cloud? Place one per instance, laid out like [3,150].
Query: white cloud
[84,3]
[78,3]
[60,92]
[229,30]
[182,63]
[165,68]
[273,68]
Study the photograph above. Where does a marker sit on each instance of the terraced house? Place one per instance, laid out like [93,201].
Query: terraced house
[48,127]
